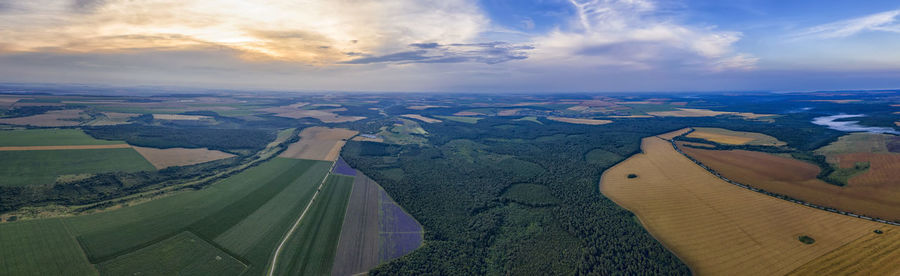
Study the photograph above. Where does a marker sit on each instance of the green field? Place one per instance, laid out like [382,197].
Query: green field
[182,254]
[42,167]
[310,250]
[529,119]
[264,199]
[40,247]
[49,137]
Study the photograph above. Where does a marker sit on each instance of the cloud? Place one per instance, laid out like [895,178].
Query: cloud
[883,21]
[633,34]
[488,53]
[310,32]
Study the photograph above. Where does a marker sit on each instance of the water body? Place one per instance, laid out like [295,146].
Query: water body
[850,126]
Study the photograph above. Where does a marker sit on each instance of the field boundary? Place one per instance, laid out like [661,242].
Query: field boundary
[290,232]
[771,194]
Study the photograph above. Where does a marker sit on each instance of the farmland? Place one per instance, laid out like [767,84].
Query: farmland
[421,118]
[49,137]
[375,230]
[580,121]
[724,136]
[182,254]
[41,247]
[41,167]
[719,228]
[164,158]
[319,143]
[797,179]
[55,118]
[311,250]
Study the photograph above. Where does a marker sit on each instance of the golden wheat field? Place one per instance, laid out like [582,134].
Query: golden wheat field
[718,228]
[319,143]
[724,136]
[164,158]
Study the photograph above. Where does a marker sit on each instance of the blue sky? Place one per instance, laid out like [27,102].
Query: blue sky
[455,45]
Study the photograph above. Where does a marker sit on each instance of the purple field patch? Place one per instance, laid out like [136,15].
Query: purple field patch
[395,245]
[394,219]
[341,167]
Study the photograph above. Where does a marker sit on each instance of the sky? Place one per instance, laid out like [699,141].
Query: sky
[455,45]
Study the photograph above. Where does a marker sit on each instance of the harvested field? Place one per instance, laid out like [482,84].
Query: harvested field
[176,117]
[673,134]
[421,118]
[718,228]
[579,121]
[693,112]
[874,196]
[423,107]
[857,258]
[164,158]
[729,137]
[54,118]
[319,143]
[468,113]
[116,146]
[368,139]
[325,115]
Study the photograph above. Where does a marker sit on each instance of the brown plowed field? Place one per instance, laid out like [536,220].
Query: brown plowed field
[718,228]
[884,170]
[319,143]
[797,179]
[164,158]
[117,146]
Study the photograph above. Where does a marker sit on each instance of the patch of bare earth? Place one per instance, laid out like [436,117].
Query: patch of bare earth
[164,158]
[319,143]
[717,228]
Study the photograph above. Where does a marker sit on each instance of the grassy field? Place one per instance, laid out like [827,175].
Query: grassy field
[311,250]
[874,196]
[42,167]
[718,228]
[41,247]
[109,234]
[529,119]
[729,137]
[49,137]
[182,254]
